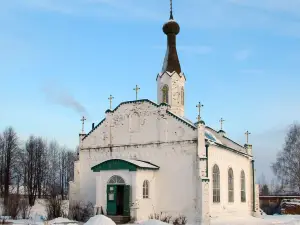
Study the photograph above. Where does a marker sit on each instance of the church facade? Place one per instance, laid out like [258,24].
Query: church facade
[145,158]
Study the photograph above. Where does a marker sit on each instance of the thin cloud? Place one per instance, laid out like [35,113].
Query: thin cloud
[242,55]
[252,71]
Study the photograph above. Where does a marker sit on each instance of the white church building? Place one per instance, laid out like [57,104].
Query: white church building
[145,158]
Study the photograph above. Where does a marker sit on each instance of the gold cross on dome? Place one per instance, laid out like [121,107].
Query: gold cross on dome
[199,106]
[136,89]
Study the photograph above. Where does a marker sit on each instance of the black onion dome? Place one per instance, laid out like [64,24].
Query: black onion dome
[171,27]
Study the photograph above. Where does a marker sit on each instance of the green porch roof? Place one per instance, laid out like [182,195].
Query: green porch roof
[124,164]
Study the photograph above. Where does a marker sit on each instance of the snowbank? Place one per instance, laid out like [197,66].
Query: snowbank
[100,220]
[61,220]
[154,222]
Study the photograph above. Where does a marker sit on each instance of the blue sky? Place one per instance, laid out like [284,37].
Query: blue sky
[240,57]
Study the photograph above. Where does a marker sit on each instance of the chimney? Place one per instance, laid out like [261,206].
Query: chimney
[93,126]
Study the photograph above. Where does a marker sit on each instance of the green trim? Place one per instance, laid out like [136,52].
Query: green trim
[203,158]
[201,122]
[205,180]
[183,121]
[140,101]
[253,185]
[118,164]
[94,128]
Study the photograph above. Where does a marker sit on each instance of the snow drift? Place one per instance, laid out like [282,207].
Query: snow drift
[100,220]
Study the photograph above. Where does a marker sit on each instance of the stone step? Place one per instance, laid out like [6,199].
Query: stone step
[120,219]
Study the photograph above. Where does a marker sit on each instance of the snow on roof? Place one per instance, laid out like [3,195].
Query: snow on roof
[216,137]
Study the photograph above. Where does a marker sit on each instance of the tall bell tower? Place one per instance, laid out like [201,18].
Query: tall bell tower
[171,81]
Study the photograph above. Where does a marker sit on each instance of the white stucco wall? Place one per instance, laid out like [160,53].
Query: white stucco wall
[226,159]
[162,140]
[157,137]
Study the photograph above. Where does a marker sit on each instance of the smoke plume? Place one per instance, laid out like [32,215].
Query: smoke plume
[58,95]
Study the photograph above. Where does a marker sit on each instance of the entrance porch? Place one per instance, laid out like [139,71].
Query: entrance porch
[119,188]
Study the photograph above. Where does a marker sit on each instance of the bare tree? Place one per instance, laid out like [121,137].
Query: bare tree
[9,148]
[33,166]
[287,165]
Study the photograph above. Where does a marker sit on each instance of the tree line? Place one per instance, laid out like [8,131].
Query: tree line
[35,168]
[286,167]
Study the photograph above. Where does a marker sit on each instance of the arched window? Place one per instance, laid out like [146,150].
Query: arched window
[146,189]
[230,186]
[243,187]
[116,180]
[135,122]
[165,94]
[182,96]
[216,184]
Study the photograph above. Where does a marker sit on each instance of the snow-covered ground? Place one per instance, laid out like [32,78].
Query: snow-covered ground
[38,213]
[266,220]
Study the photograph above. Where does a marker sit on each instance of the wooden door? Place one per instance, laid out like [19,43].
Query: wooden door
[111,199]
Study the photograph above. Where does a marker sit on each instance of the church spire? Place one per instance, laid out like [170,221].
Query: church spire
[171,29]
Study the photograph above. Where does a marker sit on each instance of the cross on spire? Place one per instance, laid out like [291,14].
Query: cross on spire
[82,120]
[110,101]
[136,89]
[247,136]
[221,122]
[171,10]
[199,106]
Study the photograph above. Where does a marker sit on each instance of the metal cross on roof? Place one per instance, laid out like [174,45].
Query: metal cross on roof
[171,10]
[82,120]
[136,89]
[221,122]
[110,101]
[199,106]
[247,136]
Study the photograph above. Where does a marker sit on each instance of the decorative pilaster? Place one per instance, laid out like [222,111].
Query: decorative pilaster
[202,195]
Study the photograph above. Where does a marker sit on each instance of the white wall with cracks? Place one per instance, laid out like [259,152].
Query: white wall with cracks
[143,130]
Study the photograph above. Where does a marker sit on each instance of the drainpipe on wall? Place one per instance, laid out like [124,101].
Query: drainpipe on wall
[253,186]
[206,148]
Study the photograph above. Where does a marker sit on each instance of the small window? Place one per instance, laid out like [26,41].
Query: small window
[146,189]
[165,94]
[216,184]
[230,186]
[243,187]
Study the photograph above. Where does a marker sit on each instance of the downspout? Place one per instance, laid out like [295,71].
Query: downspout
[253,185]
[206,148]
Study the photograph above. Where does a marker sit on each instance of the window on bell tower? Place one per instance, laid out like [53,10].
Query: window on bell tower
[165,94]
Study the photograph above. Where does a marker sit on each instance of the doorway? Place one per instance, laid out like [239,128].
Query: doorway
[118,195]
[120,199]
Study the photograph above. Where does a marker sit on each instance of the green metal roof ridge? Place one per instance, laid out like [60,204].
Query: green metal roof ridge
[135,101]
[122,103]
[124,160]
[182,120]
[93,128]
